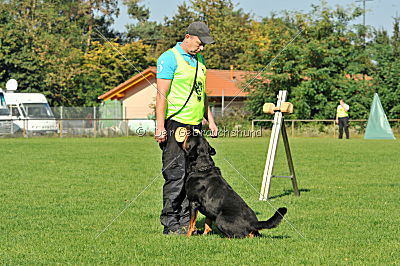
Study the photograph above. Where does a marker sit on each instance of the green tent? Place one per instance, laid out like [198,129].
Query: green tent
[378,126]
[111,109]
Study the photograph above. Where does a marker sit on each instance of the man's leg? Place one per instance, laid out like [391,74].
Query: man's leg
[346,127]
[174,171]
[340,128]
[184,215]
[173,195]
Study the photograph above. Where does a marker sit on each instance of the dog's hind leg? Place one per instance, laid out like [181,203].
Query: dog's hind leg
[207,226]
[193,216]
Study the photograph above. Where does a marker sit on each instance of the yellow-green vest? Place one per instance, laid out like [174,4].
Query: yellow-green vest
[181,85]
[341,112]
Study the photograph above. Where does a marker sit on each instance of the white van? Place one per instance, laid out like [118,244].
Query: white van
[29,111]
[5,117]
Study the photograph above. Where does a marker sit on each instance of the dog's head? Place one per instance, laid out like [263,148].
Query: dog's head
[197,148]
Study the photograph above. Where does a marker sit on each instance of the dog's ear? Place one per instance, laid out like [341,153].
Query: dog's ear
[181,136]
[185,133]
[211,150]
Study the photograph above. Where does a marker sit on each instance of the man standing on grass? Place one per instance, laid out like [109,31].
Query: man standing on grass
[342,118]
[180,102]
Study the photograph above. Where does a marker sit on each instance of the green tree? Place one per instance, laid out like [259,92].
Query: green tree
[107,8]
[229,27]
[385,51]
[42,44]
[104,68]
[174,28]
[318,68]
[34,48]
[150,32]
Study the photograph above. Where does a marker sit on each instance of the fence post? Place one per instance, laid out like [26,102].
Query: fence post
[334,129]
[252,128]
[85,121]
[126,122]
[24,131]
[61,121]
[94,122]
[292,128]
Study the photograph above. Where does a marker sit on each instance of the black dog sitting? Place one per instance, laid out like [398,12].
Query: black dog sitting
[209,193]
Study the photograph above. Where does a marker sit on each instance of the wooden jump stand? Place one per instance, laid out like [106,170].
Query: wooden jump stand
[279,126]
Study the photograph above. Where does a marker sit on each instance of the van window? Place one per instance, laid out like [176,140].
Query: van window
[3,106]
[14,111]
[4,111]
[37,110]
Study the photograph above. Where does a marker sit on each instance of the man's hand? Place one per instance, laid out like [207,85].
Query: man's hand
[214,129]
[160,135]
[337,121]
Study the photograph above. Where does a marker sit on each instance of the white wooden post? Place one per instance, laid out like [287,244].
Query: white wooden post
[273,146]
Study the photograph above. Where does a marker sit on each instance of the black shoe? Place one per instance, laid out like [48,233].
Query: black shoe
[165,231]
[178,231]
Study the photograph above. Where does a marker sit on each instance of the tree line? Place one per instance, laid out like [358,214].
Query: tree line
[69,51]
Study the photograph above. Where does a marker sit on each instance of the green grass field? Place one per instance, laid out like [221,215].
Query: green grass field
[57,194]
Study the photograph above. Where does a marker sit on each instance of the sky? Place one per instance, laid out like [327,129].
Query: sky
[380,13]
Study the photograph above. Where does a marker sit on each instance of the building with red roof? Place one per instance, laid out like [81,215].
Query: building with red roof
[138,93]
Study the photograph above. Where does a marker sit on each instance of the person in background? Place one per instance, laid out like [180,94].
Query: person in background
[342,118]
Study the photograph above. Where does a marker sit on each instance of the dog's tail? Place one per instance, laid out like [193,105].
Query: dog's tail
[273,221]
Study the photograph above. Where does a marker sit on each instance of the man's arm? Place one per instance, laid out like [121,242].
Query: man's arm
[337,118]
[211,123]
[210,118]
[161,105]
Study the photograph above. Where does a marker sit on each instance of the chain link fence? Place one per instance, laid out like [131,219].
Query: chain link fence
[103,121]
[319,127]
[74,127]
[110,121]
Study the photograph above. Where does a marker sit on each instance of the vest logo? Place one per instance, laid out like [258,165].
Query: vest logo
[198,88]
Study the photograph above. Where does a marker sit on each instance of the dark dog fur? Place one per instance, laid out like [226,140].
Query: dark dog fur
[209,193]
